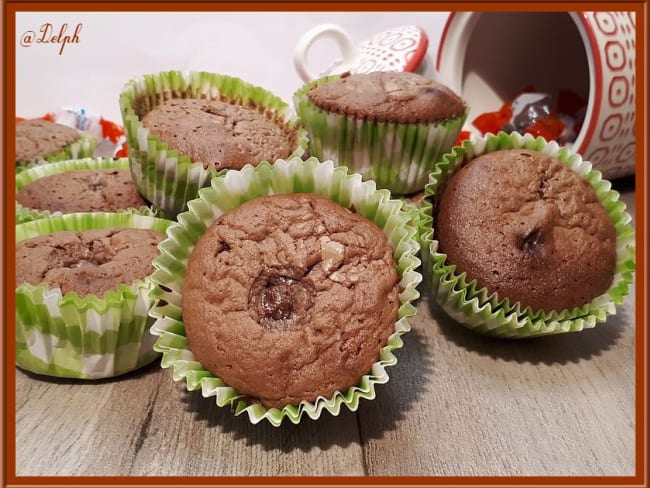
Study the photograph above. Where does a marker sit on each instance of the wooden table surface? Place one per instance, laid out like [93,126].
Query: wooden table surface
[457,403]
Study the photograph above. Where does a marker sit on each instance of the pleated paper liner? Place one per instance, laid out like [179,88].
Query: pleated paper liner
[24,214]
[166,177]
[228,192]
[87,337]
[398,157]
[81,148]
[486,313]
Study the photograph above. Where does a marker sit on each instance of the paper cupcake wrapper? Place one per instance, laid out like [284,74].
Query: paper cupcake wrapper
[81,148]
[483,312]
[25,214]
[87,337]
[227,193]
[398,157]
[164,176]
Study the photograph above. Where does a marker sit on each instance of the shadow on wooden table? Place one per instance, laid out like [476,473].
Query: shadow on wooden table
[151,368]
[552,349]
[393,401]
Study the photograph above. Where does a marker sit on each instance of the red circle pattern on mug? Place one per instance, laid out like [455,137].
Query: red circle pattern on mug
[398,49]
[610,143]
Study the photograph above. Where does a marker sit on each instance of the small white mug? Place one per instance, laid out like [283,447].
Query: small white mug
[398,49]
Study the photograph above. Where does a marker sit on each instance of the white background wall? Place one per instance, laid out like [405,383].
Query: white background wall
[115,47]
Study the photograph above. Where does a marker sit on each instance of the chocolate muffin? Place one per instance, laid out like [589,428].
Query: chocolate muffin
[383,96]
[290,297]
[85,190]
[39,138]
[390,127]
[528,228]
[88,262]
[219,134]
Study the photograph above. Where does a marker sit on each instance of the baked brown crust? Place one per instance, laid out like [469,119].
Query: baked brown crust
[217,133]
[290,297]
[86,190]
[89,262]
[38,138]
[401,97]
[527,227]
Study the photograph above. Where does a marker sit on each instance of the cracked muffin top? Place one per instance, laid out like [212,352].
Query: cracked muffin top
[219,134]
[38,138]
[85,190]
[290,297]
[389,97]
[529,228]
[89,262]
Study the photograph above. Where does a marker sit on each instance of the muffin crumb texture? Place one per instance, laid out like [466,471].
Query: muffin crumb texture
[39,138]
[528,228]
[89,262]
[82,191]
[389,97]
[290,297]
[217,133]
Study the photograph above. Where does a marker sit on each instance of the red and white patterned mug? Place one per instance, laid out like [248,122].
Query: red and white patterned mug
[489,57]
[398,49]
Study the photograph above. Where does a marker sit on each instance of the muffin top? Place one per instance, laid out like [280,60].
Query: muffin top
[529,228]
[37,138]
[93,261]
[87,190]
[290,297]
[217,133]
[401,97]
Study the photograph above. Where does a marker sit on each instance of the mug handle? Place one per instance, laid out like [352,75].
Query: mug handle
[348,50]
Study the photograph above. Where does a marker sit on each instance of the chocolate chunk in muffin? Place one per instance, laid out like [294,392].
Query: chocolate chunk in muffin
[290,297]
[528,228]
[89,262]
[219,134]
[87,190]
[389,97]
[39,138]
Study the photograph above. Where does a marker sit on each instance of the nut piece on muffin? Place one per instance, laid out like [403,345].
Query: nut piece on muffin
[219,134]
[290,297]
[528,228]
[88,262]
[84,190]
[389,126]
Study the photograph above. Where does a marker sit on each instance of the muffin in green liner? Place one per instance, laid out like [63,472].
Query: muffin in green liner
[167,177]
[487,313]
[87,337]
[397,155]
[229,192]
[25,214]
[82,147]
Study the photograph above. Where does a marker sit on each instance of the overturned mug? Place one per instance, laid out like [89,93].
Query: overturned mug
[398,49]
[591,54]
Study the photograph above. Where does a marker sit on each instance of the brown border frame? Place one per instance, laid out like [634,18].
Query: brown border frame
[9,10]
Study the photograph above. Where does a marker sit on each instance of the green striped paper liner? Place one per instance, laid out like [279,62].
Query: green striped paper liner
[166,177]
[483,312]
[84,147]
[87,337]
[398,157]
[24,214]
[228,192]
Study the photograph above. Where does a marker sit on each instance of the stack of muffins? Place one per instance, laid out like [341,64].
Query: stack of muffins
[285,283]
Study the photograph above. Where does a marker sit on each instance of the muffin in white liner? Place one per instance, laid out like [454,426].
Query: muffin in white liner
[229,192]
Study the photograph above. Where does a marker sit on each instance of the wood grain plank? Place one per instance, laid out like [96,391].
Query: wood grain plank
[559,405]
